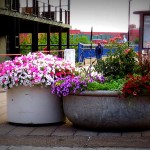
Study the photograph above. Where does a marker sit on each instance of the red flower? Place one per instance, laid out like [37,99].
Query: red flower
[136,85]
[127,51]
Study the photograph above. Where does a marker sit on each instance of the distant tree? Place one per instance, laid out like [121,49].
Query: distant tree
[136,41]
[25,43]
[54,40]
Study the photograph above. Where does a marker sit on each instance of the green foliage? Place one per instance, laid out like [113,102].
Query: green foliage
[143,68]
[54,40]
[93,86]
[114,85]
[74,40]
[79,64]
[25,50]
[42,38]
[26,41]
[121,60]
[79,39]
[136,41]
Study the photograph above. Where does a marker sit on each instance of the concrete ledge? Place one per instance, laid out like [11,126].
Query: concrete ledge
[2,90]
[106,110]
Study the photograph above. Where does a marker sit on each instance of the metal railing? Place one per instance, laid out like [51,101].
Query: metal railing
[26,48]
[4,57]
[40,9]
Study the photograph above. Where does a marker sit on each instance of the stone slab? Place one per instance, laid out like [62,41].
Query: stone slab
[64,130]
[44,131]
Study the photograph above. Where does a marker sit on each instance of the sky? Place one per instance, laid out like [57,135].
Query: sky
[102,15]
[105,15]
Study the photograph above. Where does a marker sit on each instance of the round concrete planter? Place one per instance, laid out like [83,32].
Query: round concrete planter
[106,110]
[33,105]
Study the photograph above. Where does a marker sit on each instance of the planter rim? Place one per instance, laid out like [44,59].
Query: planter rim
[99,93]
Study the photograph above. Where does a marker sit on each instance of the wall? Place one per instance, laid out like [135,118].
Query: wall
[2,3]
[2,47]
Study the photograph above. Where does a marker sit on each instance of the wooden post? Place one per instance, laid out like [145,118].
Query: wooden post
[48,37]
[60,16]
[14,38]
[68,11]
[55,14]
[65,17]
[60,11]
[141,33]
[60,43]
[49,11]
[35,7]
[68,38]
[35,37]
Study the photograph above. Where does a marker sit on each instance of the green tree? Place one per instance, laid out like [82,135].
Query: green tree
[54,41]
[25,43]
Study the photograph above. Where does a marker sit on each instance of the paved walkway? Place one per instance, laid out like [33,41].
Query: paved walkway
[62,148]
[65,136]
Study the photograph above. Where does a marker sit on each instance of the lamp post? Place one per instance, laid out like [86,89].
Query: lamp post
[91,44]
[129,21]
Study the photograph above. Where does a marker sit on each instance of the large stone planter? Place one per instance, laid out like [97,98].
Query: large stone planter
[33,105]
[106,110]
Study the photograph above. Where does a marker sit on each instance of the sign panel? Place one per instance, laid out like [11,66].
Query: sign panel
[146,33]
[69,55]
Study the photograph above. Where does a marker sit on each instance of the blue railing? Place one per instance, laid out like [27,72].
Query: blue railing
[85,51]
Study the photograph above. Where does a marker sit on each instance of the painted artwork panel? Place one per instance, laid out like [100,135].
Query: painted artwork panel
[146,33]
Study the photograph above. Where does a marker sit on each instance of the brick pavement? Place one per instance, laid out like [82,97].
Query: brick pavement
[62,148]
[2,106]
[65,135]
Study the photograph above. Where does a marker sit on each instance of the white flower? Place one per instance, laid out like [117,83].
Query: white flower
[34,68]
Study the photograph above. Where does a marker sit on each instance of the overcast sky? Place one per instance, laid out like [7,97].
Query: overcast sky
[105,15]
[102,15]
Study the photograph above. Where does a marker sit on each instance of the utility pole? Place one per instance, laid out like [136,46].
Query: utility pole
[68,11]
[91,45]
[129,21]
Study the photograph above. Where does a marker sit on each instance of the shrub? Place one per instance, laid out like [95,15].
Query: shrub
[120,61]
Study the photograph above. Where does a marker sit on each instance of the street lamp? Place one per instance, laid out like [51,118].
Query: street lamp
[91,45]
[129,21]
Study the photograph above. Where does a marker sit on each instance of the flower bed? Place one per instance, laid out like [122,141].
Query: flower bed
[33,69]
[123,70]
[28,81]
[114,94]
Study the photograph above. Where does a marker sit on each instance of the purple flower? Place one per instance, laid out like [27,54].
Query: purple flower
[69,84]
[65,86]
